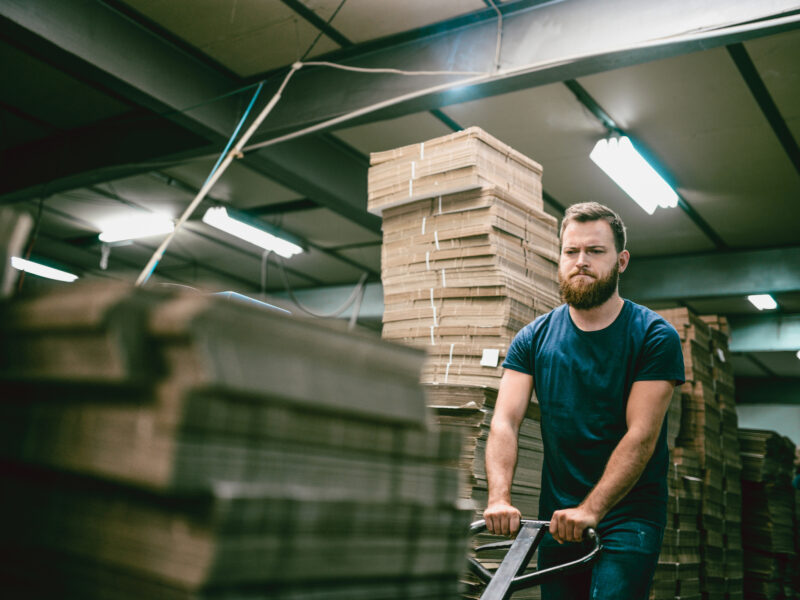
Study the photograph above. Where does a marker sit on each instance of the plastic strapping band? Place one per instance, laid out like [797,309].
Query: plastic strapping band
[451,354]
[444,281]
[436,239]
[440,205]
[428,261]
[423,225]
[422,151]
[432,342]
[446,372]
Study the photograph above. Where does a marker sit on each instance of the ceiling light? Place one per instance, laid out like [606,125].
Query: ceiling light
[763,301]
[798,354]
[137,226]
[621,161]
[256,234]
[41,270]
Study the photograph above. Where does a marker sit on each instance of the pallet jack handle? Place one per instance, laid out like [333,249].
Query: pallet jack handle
[508,577]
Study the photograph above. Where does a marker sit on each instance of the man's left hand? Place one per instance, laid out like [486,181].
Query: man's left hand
[568,525]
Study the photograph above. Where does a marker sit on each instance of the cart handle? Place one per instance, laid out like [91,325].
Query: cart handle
[522,549]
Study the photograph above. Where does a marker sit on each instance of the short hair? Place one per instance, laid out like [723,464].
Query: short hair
[594,211]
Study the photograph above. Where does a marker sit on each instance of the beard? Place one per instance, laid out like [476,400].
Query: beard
[584,296]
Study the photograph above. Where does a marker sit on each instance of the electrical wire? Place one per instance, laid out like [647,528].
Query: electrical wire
[225,159]
[358,291]
[322,63]
[499,35]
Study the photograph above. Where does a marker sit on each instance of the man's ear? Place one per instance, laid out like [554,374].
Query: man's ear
[624,258]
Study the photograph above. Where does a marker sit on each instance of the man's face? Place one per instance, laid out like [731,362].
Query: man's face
[589,266]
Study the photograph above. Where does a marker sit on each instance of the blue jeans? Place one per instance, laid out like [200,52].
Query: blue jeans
[624,570]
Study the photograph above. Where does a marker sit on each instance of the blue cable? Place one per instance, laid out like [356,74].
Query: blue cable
[221,156]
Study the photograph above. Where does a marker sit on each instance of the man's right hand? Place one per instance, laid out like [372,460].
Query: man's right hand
[502,518]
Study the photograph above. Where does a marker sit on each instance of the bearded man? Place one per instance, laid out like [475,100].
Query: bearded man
[603,369]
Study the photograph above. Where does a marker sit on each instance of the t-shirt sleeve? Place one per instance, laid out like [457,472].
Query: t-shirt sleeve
[519,355]
[662,356]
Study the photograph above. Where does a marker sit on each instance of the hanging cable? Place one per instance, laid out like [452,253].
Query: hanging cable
[222,164]
[499,35]
[353,295]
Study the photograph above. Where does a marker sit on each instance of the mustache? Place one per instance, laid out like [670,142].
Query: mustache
[581,271]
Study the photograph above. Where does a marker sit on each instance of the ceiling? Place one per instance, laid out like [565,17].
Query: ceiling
[114,107]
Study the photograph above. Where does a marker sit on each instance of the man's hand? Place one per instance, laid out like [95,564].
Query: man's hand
[567,525]
[502,518]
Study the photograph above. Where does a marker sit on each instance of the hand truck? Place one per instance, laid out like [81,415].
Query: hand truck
[508,577]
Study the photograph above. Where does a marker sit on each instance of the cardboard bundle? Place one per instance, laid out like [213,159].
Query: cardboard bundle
[768,527]
[469,410]
[202,449]
[465,160]
[468,259]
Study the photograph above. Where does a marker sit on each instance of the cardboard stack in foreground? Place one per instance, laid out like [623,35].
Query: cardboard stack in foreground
[469,258]
[172,446]
[768,525]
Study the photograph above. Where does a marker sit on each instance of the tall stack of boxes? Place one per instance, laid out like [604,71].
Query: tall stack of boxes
[469,257]
[723,381]
[178,447]
[708,438]
[768,525]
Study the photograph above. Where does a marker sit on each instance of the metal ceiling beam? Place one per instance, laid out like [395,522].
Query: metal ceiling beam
[734,273]
[119,55]
[765,102]
[765,333]
[608,122]
[547,43]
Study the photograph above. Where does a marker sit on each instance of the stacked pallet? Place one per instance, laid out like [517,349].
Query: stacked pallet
[172,446]
[768,526]
[731,525]
[469,258]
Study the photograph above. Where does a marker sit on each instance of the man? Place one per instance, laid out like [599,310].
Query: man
[603,369]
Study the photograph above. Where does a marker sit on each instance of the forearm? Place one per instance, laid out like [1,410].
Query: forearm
[624,467]
[501,461]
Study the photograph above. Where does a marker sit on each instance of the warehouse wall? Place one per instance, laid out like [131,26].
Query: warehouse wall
[782,418]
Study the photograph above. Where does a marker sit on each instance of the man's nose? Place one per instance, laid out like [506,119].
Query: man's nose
[583,258]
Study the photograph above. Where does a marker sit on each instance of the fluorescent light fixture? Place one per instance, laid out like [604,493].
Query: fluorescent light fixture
[763,301]
[257,235]
[136,226]
[798,354]
[35,268]
[620,160]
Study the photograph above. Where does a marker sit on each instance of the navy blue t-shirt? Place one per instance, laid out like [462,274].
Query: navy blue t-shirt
[582,381]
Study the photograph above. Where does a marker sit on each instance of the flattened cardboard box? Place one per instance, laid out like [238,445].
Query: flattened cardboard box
[460,161]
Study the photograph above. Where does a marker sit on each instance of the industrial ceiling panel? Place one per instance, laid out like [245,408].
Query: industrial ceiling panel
[744,367]
[777,59]
[783,364]
[731,305]
[326,269]
[393,133]
[363,20]
[324,228]
[147,192]
[549,125]
[238,185]
[246,36]
[19,128]
[698,118]
[50,96]
[369,256]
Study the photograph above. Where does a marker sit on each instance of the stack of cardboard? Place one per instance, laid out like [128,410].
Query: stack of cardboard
[678,571]
[768,534]
[700,432]
[731,526]
[469,258]
[173,446]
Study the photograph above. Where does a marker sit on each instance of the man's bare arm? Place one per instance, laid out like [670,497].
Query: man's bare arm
[647,405]
[501,451]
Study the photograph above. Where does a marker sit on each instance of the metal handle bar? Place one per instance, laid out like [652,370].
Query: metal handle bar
[508,578]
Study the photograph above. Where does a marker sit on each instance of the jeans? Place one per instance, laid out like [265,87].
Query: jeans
[624,570]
